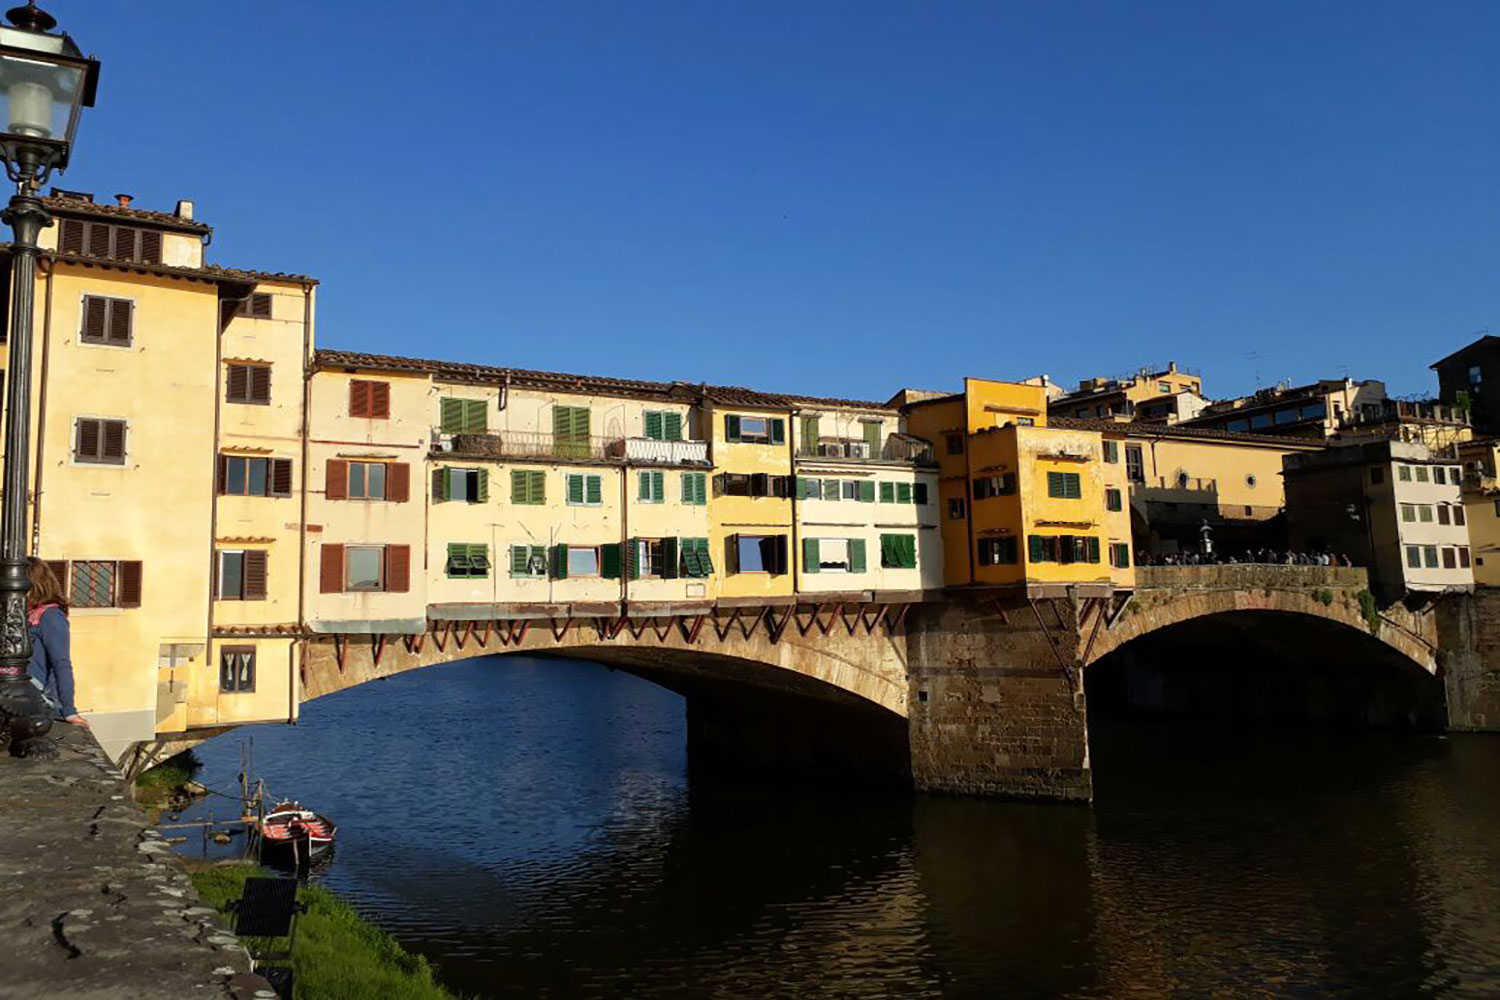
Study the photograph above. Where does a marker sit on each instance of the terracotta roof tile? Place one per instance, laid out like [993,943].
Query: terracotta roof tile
[1137,429]
[57,203]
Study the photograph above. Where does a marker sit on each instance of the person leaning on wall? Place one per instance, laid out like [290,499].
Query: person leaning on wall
[51,666]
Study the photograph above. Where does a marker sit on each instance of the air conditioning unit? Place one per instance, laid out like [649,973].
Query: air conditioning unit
[831,450]
[858,449]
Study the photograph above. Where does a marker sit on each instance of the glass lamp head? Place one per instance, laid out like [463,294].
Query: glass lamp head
[45,81]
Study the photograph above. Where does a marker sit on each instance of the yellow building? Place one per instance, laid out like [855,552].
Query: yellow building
[750,506]
[1148,394]
[1481,493]
[1023,503]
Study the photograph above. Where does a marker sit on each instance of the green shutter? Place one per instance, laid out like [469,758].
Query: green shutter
[669,558]
[731,427]
[440,485]
[1072,486]
[538,487]
[778,430]
[457,559]
[520,560]
[887,492]
[1037,549]
[475,416]
[866,492]
[810,555]
[659,487]
[705,558]
[903,492]
[809,489]
[575,488]
[919,494]
[451,415]
[643,486]
[482,492]
[1093,544]
[831,489]
[1055,487]
[672,426]
[594,487]
[810,435]
[560,561]
[872,439]
[908,551]
[654,425]
[633,559]
[856,555]
[887,550]
[609,561]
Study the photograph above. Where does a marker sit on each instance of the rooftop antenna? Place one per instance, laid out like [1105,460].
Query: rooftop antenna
[1255,357]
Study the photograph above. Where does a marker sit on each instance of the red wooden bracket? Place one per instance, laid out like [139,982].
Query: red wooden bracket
[775,628]
[852,624]
[518,632]
[802,626]
[759,617]
[484,637]
[558,633]
[826,628]
[872,623]
[340,650]
[378,649]
[722,632]
[661,630]
[691,633]
[891,624]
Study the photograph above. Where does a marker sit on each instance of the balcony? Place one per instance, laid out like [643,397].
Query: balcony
[898,448]
[650,450]
[539,444]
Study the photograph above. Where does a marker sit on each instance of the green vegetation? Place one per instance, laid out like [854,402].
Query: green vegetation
[165,785]
[1323,597]
[1369,610]
[338,955]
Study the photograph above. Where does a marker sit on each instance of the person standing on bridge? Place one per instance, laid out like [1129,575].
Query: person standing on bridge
[51,666]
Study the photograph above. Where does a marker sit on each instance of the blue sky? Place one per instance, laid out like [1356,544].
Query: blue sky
[833,198]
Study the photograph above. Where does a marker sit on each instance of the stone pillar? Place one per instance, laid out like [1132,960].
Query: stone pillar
[1469,655]
[996,705]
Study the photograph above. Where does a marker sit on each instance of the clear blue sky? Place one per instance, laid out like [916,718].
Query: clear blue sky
[834,198]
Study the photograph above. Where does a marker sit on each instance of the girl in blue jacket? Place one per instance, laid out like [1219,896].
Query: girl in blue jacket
[51,662]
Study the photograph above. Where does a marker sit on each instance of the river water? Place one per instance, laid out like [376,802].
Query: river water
[528,825]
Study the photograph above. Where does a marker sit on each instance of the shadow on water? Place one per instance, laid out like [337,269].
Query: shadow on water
[530,827]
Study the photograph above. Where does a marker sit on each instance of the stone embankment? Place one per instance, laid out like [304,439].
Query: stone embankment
[93,902]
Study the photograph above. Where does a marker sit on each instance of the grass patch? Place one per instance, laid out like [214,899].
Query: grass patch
[162,785]
[339,955]
[1369,610]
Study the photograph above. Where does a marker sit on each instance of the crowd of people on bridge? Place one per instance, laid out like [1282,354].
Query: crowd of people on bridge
[1252,557]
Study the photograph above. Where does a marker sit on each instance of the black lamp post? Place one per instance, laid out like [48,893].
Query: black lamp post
[45,80]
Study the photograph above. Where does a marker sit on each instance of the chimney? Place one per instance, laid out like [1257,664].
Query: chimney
[184,210]
[124,200]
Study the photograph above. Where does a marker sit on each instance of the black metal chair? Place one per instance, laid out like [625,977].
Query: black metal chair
[268,909]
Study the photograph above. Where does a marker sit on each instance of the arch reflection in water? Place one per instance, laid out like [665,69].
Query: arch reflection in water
[543,838]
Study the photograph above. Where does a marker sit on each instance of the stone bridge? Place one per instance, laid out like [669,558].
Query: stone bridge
[983,692]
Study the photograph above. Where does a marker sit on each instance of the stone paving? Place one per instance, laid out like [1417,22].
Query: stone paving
[93,902]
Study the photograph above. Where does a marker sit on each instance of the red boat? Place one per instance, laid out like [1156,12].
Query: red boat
[291,831]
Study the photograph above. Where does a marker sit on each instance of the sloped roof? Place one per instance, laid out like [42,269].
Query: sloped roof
[1137,429]
[1487,341]
[77,206]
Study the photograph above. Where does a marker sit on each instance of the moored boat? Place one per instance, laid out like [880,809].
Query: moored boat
[290,831]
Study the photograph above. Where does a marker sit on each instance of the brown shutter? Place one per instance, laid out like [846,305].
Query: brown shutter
[398,568]
[95,318]
[222,478]
[120,311]
[398,482]
[380,400]
[281,477]
[150,246]
[260,383]
[88,438]
[260,305]
[98,239]
[359,398]
[337,486]
[114,439]
[255,575]
[72,236]
[331,570]
[239,383]
[130,584]
[59,569]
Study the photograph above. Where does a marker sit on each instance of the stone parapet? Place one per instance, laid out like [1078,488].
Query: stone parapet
[1251,576]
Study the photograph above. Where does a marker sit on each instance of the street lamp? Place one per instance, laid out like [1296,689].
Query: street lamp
[45,80]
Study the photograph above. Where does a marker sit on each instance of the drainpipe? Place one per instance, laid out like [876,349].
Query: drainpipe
[624,534]
[213,490]
[300,643]
[41,409]
[795,545]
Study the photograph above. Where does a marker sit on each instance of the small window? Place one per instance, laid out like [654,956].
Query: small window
[528,561]
[1413,557]
[1113,500]
[995,486]
[1463,556]
[650,487]
[367,480]
[1424,513]
[1135,464]
[107,321]
[464,416]
[1421,473]
[245,476]
[1119,555]
[1065,485]
[695,488]
[583,561]
[828,555]
[1440,475]
[1458,514]
[1260,421]
[663,425]
[1112,451]
[1164,387]
[1403,473]
[1450,557]
[646,557]
[1408,513]
[99,441]
[898,551]
[369,400]
[957,508]
[1442,513]
[242,575]
[755,430]
[585,491]
[236,669]
[104,583]
[364,567]
[468,560]
[528,487]
[954,443]
[1430,556]
[464,485]
[248,384]
[997,551]
[758,553]
[693,554]
[850,489]
[256,305]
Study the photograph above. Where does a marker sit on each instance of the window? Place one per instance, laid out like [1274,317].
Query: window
[99,441]
[887,492]
[1260,421]
[957,511]
[463,485]
[695,488]
[954,443]
[1237,426]
[759,484]
[361,567]
[1463,556]
[367,480]
[1424,513]
[248,384]
[528,561]
[100,583]
[995,486]
[1112,499]
[1377,475]
[1062,548]
[1450,557]
[757,553]
[1403,473]
[1476,378]
[236,669]
[461,416]
[364,567]
[1290,416]
[582,561]
[696,562]
[997,551]
[650,487]
[833,555]
[1440,475]
[1456,476]
[1458,514]
[903,493]
[1408,513]
[1112,451]
[663,425]
[1064,485]
[1430,556]
[898,551]
[256,305]
[528,487]
[570,431]
[1313,411]
[1119,555]
[646,557]
[754,430]
[1135,464]
[919,494]
[107,321]
[1250,480]
[468,560]
[371,400]
[100,239]
[243,476]
[242,575]
[1421,473]
[1442,513]
[812,489]
[584,490]
[1414,557]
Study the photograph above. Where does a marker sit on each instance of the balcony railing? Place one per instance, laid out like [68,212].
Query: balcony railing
[539,444]
[640,449]
[897,448]
[1184,484]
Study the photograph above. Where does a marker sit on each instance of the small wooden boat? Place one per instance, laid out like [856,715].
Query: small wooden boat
[292,832]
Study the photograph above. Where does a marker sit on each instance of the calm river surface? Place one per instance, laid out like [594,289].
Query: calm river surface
[528,825]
